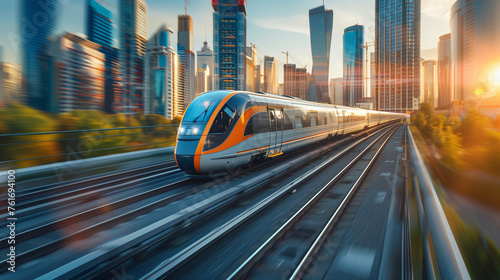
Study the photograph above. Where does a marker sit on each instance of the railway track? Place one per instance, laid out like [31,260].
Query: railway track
[169,267]
[141,241]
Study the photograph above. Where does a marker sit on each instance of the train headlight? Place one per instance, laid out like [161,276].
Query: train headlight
[182,130]
[195,131]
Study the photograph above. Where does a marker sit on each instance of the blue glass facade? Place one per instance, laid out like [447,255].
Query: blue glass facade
[229,44]
[133,32]
[397,51]
[162,90]
[321,27]
[100,30]
[38,23]
[353,65]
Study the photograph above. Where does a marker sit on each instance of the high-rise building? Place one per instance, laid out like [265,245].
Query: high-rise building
[10,83]
[187,69]
[38,23]
[338,91]
[101,30]
[229,44]
[202,75]
[422,81]
[133,34]
[206,57]
[251,61]
[295,81]
[321,28]
[271,65]
[430,82]
[475,41]
[444,71]
[258,76]
[76,70]
[162,94]
[397,48]
[353,65]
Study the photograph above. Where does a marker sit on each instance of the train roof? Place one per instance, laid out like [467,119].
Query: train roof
[296,99]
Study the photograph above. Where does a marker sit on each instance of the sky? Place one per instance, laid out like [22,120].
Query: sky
[273,26]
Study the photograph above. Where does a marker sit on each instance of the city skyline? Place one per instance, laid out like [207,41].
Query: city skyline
[290,25]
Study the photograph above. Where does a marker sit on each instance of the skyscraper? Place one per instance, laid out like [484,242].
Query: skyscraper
[271,83]
[10,83]
[187,70]
[397,48]
[295,81]
[76,71]
[34,40]
[162,94]
[321,27]
[353,65]
[430,82]
[338,91]
[133,33]
[444,70]
[202,74]
[475,41]
[229,44]
[206,57]
[101,30]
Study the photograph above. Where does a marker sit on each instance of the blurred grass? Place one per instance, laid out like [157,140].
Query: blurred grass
[49,148]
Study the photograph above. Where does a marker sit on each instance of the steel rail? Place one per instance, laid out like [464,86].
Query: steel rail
[55,244]
[68,188]
[256,256]
[306,260]
[204,242]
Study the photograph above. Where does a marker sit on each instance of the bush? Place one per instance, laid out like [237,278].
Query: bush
[16,118]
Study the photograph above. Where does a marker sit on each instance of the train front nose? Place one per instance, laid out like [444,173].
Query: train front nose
[188,139]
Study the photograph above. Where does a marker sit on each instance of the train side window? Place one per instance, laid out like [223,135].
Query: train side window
[258,123]
[287,122]
[314,119]
[298,122]
[306,121]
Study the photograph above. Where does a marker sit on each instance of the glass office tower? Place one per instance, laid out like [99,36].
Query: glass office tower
[38,23]
[162,95]
[101,30]
[444,70]
[397,48]
[133,32]
[321,26]
[353,65]
[229,44]
[475,55]
[187,70]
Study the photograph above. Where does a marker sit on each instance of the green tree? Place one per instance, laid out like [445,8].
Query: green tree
[473,128]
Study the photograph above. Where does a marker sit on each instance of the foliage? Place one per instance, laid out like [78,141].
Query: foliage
[81,141]
[480,254]
[472,138]
[473,128]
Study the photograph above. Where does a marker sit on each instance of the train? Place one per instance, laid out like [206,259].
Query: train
[224,130]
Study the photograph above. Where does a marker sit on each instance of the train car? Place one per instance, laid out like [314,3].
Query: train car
[223,130]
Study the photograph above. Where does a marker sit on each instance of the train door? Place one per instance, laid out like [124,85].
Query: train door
[276,117]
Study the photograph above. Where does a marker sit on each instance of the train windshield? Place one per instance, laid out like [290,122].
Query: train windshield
[202,107]
[225,120]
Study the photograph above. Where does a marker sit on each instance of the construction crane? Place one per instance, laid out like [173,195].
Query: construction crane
[289,55]
[186,4]
[366,46]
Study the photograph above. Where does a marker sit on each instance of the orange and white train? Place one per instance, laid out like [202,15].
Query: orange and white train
[222,130]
